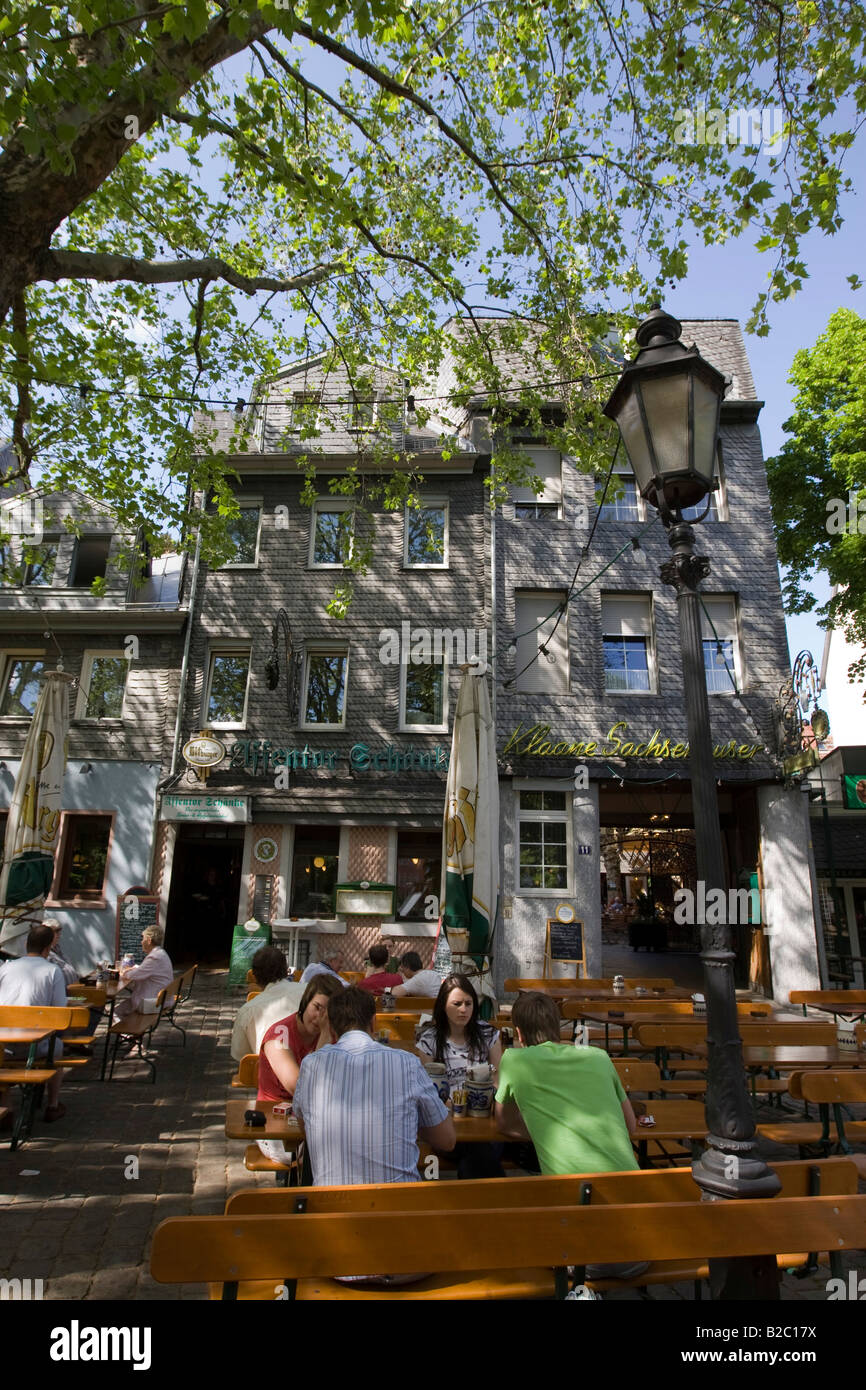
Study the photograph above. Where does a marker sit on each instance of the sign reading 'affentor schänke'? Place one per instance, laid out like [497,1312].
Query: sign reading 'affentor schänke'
[538,742]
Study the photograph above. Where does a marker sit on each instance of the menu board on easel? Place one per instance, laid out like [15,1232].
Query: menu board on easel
[135,911]
[564,940]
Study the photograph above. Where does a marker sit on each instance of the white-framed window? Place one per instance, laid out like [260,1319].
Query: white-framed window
[102,687]
[547,504]
[424,697]
[245,533]
[41,564]
[425,535]
[326,673]
[544,842]
[623,502]
[541,662]
[720,636]
[626,628]
[21,685]
[331,533]
[227,688]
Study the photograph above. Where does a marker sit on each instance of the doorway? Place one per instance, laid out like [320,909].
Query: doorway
[203,899]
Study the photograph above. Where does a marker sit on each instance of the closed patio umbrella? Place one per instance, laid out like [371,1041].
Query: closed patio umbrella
[33,827]
[470,842]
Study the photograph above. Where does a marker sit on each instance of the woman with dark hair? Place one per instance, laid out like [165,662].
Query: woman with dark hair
[459,1038]
[287,1043]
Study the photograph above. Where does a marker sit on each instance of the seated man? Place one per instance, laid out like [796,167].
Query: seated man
[567,1100]
[280,996]
[377,978]
[386,1102]
[416,980]
[30,982]
[156,972]
[330,964]
[56,956]
[364,1107]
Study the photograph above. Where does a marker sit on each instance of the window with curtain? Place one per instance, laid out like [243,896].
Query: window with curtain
[540,623]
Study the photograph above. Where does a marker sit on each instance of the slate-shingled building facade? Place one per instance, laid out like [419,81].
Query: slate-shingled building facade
[340,769]
[605,695]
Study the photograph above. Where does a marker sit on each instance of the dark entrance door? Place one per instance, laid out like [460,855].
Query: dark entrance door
[203,899]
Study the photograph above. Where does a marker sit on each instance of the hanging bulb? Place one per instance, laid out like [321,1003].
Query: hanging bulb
[240,407]
[511,649]
[720,655]
[638,554]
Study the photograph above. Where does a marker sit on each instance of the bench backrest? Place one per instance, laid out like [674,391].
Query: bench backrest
[414,1004]
[830,1176]
[770,1034]
[96,995]
[43,1016]
[677,1008]
[548,985]
[844,1087]
[248,1070]
[638,1076]
[201,1248]
[398,1025]
[852,999]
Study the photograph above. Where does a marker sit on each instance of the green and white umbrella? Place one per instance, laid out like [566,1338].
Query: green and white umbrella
[470,840]
[33,828]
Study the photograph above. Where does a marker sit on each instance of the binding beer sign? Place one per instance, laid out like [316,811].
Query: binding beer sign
[203,752]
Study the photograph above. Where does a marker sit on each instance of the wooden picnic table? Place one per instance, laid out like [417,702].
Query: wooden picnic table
[676,1121]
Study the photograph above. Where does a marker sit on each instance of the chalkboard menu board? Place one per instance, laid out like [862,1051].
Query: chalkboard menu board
[135,911]
[565,939]
[244,946]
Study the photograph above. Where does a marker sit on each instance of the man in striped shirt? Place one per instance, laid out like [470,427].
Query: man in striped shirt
[364,1106]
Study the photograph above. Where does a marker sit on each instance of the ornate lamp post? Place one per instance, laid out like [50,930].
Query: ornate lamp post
[667,405]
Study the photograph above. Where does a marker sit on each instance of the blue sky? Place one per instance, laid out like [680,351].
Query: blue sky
[725,281]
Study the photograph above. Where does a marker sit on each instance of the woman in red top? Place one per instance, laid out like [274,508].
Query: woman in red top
[287,1043]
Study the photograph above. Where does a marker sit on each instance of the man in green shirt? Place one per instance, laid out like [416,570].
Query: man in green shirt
[567,1100]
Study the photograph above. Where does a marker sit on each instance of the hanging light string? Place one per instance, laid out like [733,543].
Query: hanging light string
[239,404]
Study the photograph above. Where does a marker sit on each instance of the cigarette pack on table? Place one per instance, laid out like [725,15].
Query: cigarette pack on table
[283,1108]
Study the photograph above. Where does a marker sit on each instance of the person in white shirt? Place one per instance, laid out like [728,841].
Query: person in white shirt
[30,982]
[416,980]
[156,972]
[56,956]
[279,998]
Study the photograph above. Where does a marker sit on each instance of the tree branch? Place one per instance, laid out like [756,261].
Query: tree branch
[97,265]
[390,84]
[20,440]
[308,86]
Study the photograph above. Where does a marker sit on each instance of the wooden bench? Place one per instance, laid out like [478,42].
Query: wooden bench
[551,986]
[140,1027]
[32,1079]
[545,1223]
[646,1076]
[834,1089]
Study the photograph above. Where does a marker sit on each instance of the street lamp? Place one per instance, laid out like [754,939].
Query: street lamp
[667,405]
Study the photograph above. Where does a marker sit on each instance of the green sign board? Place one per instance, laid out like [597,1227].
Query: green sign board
[264,757]
[245,942]
[854,791]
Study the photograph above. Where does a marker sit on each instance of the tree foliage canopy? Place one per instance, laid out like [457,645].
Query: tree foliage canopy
[193,192]
[818,479]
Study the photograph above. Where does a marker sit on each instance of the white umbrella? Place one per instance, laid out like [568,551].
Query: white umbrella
[470,841]
[33,828]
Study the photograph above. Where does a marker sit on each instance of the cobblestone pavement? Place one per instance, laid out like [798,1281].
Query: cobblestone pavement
[77,1213]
